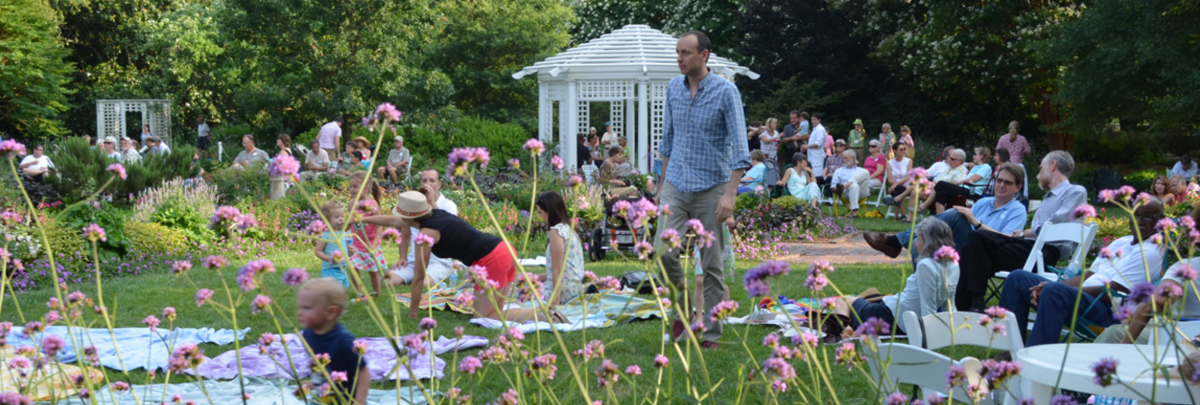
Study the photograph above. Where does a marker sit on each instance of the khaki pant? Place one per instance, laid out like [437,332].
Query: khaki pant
[310,175]
[703,206]
[333,154]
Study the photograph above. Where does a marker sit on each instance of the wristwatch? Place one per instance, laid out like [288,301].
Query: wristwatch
[977,225]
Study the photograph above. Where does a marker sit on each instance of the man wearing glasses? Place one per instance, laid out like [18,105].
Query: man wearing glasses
[1001,214]
[989,252]
[36,166]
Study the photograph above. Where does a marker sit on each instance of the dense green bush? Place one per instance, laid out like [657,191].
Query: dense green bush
[82,170]
[1124,147]
[102,213]
[434,142]
[183,218]
[235,185]
[149,237]
[1141,179]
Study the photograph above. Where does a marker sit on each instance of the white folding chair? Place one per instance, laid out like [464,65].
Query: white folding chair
[589,171]
[945,329]
[301,150]
[1081,234]
[893,364]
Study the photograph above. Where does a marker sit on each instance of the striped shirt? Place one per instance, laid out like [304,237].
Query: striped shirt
[704,136]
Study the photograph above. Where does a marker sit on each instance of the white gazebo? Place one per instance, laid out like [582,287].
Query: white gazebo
[629,68]
[110,117]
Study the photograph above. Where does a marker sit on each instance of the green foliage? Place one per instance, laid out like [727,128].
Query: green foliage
[149,237]
[183,218]
[101,213]
[83,170]
[236,185]
[1123,147]
[786,202]
[27,243]
[1141,179]
[488,41]
[1127,59]
[33,74]
[502,140]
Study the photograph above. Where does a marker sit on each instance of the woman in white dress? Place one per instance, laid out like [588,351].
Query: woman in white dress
[898,169]
[800,181]
[563,280]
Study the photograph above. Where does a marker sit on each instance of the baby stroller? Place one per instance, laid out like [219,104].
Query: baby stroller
[614,230]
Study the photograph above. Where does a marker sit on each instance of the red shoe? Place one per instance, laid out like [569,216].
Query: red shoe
[706,345]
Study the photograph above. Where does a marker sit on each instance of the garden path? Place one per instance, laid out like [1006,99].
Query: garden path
[851,248]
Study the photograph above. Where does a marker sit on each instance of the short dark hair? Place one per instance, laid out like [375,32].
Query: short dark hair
[800,157]
[339,119]
[896,146]
[556,209]
[804,115]
[1004,154]
[582,137]
[702,42]
[817,116]
[756,123]
[794,112]
[1015,170]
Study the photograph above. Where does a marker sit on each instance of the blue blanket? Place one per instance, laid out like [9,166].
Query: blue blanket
[262,392]
[140,348]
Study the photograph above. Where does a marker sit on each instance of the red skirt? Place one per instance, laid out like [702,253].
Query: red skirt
[500,265]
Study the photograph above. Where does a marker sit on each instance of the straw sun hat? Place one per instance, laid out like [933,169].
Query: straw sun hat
[411,204]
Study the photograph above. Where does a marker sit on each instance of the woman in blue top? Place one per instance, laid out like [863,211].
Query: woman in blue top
[929,290]
[756,174]
[800,181]
[971,187]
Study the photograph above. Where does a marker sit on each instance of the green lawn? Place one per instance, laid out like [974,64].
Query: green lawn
[133,298]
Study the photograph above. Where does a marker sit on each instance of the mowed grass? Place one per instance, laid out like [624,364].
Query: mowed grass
[133,298]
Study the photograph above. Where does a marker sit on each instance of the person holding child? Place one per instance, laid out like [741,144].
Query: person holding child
[365,252]
[333,242]
[563,280]
[319,304]
[449,236]
[930,288]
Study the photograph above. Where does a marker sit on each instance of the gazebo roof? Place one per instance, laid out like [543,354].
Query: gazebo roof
[633,51]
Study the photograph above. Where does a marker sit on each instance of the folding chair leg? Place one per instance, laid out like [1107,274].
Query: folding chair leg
[993,290]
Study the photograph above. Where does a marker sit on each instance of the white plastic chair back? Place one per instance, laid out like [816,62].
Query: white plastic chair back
[941,330]
[589,171]
[906,364]
[301,150]
[1081,234]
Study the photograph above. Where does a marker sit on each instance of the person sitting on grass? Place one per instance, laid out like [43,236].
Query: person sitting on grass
[1002,213]
[928,290]
[728,258]
[1162,190]
[800,181]
[1177,280]
[334,242]
[365,253]
[319,304]
[397,162]
[563,280]
[1133,263]
[451,237]
[610,175]
[757,173]
[850,181]
[437,268]
[316,162]
[36,165]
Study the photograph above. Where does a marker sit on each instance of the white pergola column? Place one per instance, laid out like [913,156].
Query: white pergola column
[630,130]
[571,110]
[545,115]
[566,138]
[643,139]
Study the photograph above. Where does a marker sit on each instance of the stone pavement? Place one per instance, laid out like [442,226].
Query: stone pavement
[847,249]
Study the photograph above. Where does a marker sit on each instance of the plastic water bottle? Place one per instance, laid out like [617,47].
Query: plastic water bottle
[453,278]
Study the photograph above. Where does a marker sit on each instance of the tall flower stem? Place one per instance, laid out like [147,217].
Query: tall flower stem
[104,309]
[532,203]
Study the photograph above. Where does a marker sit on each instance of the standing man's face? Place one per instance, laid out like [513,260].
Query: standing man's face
[430,181]
[795,120]
[688,56]
[816,121]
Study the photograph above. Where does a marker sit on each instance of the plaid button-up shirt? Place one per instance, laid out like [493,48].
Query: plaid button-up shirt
[704,136]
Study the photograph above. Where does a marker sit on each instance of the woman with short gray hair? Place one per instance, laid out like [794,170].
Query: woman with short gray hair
[929,290]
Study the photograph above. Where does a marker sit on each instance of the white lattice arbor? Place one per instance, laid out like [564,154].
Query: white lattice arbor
[629,68]
[110,117]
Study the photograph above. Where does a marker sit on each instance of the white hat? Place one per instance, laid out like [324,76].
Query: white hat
[398,138]
[411,204]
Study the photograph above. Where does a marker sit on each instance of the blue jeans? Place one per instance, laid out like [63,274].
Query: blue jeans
[1054,307]
[959,228]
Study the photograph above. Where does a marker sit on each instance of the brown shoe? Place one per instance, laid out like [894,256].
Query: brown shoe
[878,241]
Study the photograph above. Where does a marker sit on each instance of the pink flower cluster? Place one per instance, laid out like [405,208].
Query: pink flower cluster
[460,158]
[94,233]
[534,146]
[118,170]
[283,166]
[9,146]
[946,253]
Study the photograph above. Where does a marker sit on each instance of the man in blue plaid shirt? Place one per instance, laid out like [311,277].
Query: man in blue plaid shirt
[704,154]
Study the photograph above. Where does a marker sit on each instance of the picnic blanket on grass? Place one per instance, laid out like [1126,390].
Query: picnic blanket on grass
[261,391]
[381,359]
[140,348]
[587,311]
[52,382]
[438,298]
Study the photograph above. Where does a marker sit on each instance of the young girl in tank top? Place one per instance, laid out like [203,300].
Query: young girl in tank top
[365,252]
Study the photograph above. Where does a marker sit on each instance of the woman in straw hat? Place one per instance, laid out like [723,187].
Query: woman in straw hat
[454,238]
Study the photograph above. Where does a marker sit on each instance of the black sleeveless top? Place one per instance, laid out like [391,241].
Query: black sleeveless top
[459,240]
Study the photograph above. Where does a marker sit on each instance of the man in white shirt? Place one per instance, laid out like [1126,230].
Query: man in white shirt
[129,154]
[35,166]
[155,146]
[438,268]
[1055,301]
[315,162]
[1180,278]
[816,145]
[203,134]
[330,137]
[850,181]
[610,138]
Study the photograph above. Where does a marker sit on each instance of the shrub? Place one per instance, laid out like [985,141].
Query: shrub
[102,213]
[1141,179]
[184,218]
[149,237]
[82,170]
[27,242]
[234,186]
[434,141]
[199,195]
[1124,147]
